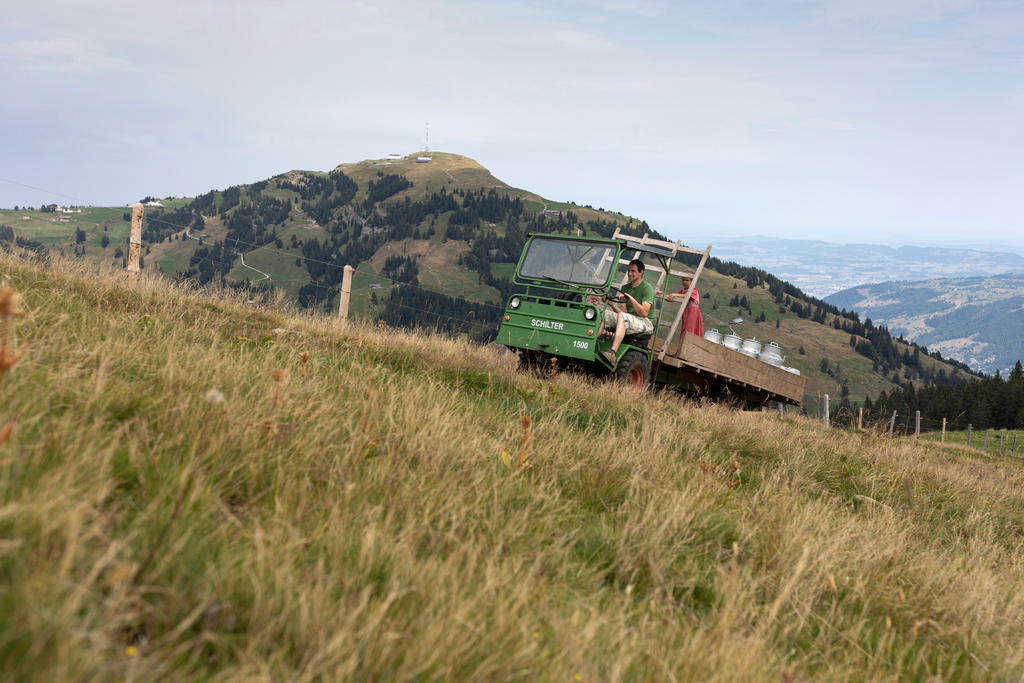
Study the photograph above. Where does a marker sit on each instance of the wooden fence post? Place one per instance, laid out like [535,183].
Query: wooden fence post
[1013,448]
[346,292]
[135,240]
[892,422]
[970,428]
[917,424]
[986,441]
[943,430]
[825,415]
[1002,435]
[782,410]
[860,419]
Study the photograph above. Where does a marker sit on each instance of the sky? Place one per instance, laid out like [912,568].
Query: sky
[874,121]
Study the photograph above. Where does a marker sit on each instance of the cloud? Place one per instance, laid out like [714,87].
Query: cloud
[641,8]
[60,56]
[829,125]
[568,38]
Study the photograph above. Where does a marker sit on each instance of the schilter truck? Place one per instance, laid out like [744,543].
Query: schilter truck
[557,322]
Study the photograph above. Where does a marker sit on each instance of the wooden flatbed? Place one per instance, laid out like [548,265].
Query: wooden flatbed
[717,369]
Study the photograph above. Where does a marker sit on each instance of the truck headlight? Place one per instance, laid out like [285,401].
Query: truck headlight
[514,303]
[590,313]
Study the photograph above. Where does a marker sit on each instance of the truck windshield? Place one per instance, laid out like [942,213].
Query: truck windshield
[569,261]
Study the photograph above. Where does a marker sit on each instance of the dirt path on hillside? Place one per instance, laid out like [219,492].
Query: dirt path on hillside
[266,276]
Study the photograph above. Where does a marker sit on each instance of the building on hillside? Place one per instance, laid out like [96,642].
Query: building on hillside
[423,159]
[394,157]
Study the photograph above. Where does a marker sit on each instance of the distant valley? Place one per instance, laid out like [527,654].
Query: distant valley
[824,268]
[978,321]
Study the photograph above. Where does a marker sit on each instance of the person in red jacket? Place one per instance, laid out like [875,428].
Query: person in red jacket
[693,322]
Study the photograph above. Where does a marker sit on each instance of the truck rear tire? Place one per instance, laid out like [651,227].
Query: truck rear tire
[634,370]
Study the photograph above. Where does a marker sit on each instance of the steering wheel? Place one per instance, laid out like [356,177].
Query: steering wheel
[615,294]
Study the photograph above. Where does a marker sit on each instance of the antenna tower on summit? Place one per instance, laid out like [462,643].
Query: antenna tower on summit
[426,145]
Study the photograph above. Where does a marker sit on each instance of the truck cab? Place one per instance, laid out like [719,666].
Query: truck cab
[558,321]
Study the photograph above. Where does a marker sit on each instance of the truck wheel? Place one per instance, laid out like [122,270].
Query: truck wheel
[528,361]
[634,370]
[537,363]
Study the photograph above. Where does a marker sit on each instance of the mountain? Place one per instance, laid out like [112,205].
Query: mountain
[824,268]
[434,245]
[978,321]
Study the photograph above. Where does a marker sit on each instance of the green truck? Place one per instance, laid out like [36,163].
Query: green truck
[556,323]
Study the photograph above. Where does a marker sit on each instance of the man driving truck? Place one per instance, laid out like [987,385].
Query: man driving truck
[630,316]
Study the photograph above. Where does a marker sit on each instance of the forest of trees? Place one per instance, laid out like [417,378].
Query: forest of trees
[414,307]
[987,403]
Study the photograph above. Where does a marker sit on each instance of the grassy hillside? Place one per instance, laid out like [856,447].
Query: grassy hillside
[793,333]
[59,232]
[196,489]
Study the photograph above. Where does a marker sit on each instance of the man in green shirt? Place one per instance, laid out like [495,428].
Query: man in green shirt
[630,317]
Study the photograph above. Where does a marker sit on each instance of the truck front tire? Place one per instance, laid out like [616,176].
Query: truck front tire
[537,363]
[634,370]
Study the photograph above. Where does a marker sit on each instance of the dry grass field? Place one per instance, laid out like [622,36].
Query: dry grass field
[195,489]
